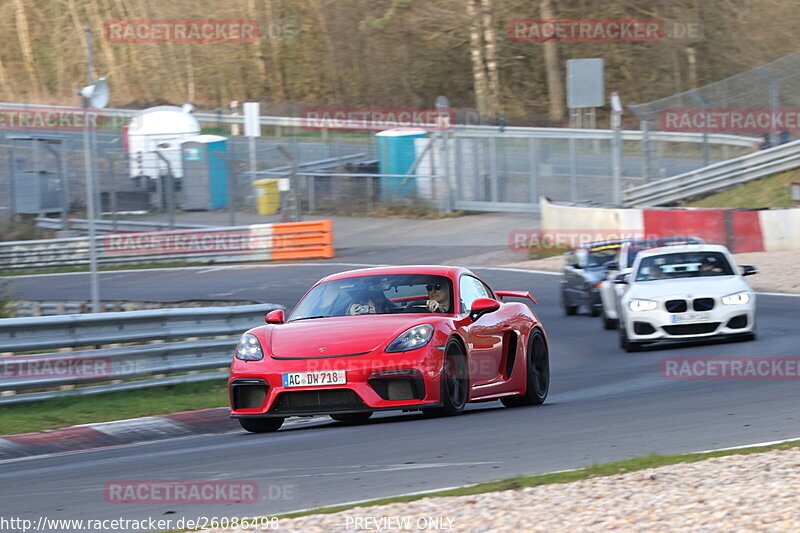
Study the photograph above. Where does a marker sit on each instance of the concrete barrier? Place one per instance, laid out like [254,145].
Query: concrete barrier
[741,230]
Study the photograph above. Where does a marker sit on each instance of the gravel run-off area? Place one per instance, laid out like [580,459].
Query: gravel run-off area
[735,493]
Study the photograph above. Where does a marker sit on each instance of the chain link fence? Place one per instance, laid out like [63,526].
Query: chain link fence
[467,167]
[762,102]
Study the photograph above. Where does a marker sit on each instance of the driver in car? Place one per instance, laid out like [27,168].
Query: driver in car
[438,297]
[709,268]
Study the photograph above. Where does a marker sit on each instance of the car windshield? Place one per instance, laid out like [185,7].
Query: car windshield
[601,255]
[369,295]
[638,246]
[683,265]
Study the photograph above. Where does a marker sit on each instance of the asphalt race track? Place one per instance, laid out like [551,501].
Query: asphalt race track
[604,405]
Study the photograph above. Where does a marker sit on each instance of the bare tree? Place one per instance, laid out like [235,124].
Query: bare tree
[555,86]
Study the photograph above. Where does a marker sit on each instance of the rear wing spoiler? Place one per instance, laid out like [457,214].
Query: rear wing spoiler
[515,294]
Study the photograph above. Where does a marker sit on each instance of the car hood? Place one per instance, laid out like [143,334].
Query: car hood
[338,336]
[710,286]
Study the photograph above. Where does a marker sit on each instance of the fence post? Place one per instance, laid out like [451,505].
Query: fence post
[774,98]
[573,169]
[533,167]
[646,163]
[697,98]
[616,159]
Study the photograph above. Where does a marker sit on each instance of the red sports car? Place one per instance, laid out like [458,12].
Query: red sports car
[428,338]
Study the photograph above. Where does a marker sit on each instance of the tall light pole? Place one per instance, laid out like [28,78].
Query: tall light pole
[94,95]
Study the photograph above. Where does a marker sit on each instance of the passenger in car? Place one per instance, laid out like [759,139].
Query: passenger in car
[369,302]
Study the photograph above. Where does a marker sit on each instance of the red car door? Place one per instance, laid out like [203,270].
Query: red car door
[484,336]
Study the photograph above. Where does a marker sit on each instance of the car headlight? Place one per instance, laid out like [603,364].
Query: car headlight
[411,339]
[249,349]
[739,298]
[642,305]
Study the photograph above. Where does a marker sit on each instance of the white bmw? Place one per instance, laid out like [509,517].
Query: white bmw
[685,292]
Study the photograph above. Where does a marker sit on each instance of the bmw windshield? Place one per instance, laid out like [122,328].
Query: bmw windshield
[683,265]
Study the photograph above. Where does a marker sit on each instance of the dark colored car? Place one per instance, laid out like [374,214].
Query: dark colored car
[583,272]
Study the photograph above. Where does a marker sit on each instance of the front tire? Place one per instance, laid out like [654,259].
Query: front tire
[625,343]
[537,372]
[569,310]
[261,425]
[454,383]
[351,418]
[610,323]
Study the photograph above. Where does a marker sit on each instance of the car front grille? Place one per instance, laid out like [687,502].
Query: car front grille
[318,401]
[692,329]
[703,304]
[675,306]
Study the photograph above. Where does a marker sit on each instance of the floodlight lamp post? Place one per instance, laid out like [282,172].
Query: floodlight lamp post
[94,95]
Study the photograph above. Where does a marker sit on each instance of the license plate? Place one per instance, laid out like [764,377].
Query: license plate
[314,379]
[690,317]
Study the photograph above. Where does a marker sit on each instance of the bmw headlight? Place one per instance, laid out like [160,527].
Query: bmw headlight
[739,298]
[642,305]
[249,349]
[411,339]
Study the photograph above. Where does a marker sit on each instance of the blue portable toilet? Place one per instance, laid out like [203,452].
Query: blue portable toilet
[396,155]
[205,172]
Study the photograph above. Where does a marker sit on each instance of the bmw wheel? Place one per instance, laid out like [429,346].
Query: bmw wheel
[610,323]
[625,343]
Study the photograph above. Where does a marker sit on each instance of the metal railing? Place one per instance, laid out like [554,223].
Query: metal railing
[300,122]
[103,225]
[716,177]
[27,378]
[260,242]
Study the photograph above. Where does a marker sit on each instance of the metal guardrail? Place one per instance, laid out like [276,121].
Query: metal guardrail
[260,242]
[300,122]
[717,176]
[92,371]
[102,225]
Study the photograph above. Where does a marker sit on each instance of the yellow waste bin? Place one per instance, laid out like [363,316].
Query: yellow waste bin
[268,198]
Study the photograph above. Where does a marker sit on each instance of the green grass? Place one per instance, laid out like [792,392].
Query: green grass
[765,192]
[62,412]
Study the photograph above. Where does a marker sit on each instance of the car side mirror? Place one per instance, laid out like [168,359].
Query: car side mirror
[482,306]
[612,265]
[748,270]
[278,316]
[621,279]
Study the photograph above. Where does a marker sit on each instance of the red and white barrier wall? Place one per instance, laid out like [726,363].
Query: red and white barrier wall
[741,230]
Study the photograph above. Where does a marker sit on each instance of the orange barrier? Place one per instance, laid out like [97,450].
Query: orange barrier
[302,240]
